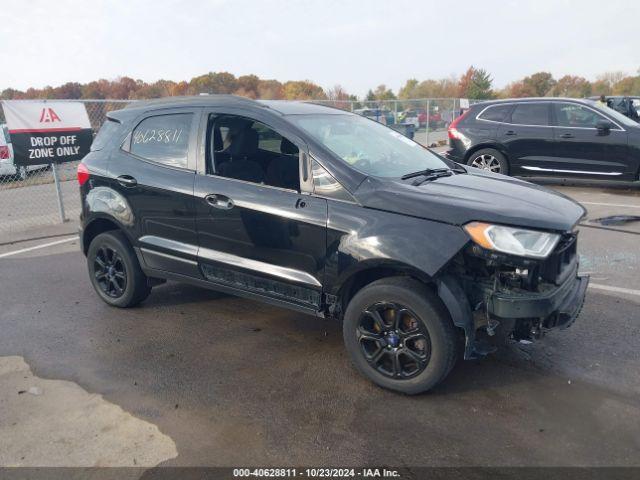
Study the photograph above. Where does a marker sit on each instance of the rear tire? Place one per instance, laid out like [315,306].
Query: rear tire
[114,270]
[415,346]
[489,159]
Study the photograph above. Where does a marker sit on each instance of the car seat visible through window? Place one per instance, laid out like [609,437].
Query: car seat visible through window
[240,165]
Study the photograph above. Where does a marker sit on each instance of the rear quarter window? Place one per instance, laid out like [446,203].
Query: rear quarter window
[163,139]
[110,128]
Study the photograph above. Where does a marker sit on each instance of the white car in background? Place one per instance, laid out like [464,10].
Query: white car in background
[7,165]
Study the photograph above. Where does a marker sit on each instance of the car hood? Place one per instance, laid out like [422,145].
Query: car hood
[474,196]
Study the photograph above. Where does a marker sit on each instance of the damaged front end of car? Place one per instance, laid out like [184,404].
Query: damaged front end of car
[513,283]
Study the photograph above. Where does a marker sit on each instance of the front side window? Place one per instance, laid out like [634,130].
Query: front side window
[367,146]
[574,115]
[495,113]
[163,139]
[531,114]
[249,150]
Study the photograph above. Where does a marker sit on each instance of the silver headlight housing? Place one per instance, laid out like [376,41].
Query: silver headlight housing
[513,240]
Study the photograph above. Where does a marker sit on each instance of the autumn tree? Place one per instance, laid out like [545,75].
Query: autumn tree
[409,90]
[221,82]
[337,93]
[627,86]
[609,79]
[572,86]
[248,86]
[539,83]
[303,90]
[475,83]
[11,94]
[383,93]
[270,90]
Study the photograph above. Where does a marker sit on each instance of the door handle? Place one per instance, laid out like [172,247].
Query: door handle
[127,181]
[510,133]
[566,135]
[219,201]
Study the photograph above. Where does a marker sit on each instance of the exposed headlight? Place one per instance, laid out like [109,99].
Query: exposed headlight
[512,240]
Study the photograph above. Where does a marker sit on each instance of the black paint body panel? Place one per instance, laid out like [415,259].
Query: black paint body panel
[293,248]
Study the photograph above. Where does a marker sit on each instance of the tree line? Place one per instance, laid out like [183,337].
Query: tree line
[475,83]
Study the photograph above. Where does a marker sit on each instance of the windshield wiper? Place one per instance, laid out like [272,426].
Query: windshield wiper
[426,172]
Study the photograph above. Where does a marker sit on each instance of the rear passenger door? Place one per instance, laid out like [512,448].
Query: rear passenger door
[259,230]
[527,137]
[154,170]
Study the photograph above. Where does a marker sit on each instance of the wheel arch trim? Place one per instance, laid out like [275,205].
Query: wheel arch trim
[486,144]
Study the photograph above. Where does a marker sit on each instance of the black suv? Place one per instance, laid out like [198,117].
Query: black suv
[547,137]
[331,214]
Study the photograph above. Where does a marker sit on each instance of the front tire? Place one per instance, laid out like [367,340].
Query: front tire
[490,160]
[115,272]
[399,335]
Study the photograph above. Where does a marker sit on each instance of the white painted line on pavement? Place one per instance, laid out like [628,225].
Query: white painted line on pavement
[44,245]
[607,288]
[610,204]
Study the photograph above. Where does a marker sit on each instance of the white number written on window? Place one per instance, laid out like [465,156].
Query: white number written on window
[171,135]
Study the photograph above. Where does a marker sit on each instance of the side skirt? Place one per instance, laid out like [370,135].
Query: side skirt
[225,288]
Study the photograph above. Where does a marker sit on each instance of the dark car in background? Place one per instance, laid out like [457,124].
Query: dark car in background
[331,214]
[547,137]
[628,106]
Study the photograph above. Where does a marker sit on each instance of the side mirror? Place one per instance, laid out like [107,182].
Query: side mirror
[604,127]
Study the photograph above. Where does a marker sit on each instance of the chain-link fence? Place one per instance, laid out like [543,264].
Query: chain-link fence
[31,197]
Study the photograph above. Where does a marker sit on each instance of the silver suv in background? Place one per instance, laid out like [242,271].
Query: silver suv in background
[7,164]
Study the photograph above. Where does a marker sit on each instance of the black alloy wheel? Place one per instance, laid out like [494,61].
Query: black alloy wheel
[393,340]
[110,271]
[115,272]
[399,335]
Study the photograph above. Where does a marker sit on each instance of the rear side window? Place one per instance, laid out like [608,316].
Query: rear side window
[495,113]
[109,129]
[531,114]
[163,139]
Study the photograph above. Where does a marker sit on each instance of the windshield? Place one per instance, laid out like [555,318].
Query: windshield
[367,145]
[617,116]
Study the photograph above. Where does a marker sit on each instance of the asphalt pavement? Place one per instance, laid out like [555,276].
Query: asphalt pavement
[219,380]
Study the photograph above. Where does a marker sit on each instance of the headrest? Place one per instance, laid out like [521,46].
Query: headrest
[287,147]
[245,143]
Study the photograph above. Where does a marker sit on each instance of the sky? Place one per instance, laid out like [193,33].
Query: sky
[358,44]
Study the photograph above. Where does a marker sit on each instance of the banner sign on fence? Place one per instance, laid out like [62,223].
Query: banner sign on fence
[47,132]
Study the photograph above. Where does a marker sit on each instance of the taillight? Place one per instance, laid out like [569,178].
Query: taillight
[4,152]
[453,132]
[83,174]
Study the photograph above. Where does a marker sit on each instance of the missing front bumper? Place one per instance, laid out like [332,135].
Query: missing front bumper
[539,312]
